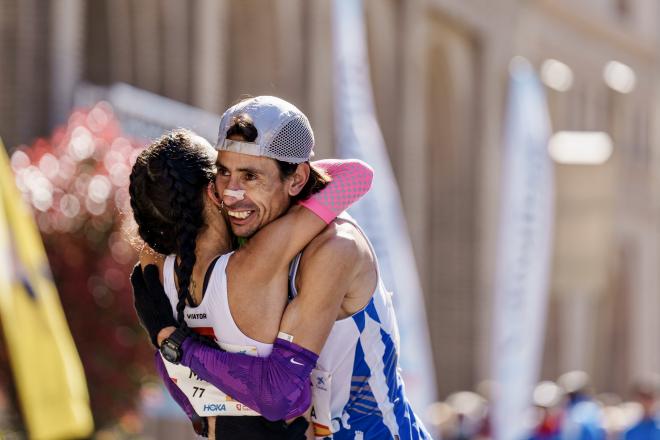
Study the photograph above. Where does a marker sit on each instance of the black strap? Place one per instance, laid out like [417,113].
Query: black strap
[209,271]
[293,271]
[207,277]
[178,336]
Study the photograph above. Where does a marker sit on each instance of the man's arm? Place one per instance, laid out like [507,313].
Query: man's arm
[332,263]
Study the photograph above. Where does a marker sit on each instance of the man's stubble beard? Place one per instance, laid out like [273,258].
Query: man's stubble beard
[258,228]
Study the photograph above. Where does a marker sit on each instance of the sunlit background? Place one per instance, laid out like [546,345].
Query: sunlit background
[78,86]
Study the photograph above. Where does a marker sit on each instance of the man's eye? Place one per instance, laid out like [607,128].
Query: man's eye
[223,172]
[250,176]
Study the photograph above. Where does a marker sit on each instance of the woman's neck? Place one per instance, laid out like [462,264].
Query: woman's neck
[209,246]
[211,242]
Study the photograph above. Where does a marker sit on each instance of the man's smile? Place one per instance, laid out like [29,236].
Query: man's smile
[240,215]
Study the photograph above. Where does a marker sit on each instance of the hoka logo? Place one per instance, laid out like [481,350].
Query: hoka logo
[196,315]
[215,407]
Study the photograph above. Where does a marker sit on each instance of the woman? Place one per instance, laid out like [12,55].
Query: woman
[178,213]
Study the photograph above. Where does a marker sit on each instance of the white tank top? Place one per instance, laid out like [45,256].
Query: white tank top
[212,318]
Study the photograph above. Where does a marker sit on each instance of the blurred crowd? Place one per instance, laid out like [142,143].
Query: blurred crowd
[567,409]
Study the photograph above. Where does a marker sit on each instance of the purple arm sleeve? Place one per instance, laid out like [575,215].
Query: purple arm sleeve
[277,386]
[174,390]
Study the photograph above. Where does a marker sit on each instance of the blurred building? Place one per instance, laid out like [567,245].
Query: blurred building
[439,70]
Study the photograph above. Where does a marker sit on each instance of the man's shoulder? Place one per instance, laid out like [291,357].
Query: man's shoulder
[335,238]
[340,239]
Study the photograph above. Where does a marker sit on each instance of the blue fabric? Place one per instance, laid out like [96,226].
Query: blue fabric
[362,416]
[545,436]
[583,421]
[647,429]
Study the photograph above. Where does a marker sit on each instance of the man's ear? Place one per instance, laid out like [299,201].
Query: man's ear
[299,178]
[212,192]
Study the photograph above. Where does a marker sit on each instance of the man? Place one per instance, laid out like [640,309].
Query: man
[583,418]
[340,310]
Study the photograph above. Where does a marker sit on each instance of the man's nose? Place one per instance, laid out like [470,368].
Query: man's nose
[231,196]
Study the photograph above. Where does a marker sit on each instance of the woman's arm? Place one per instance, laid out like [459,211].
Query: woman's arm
[200,424]
[174,390]
[276,386]
[275,245]
[150,300]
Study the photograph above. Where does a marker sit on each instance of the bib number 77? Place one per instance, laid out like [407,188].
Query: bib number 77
[198,389]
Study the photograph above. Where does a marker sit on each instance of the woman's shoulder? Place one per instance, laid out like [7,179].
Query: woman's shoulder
[149,256]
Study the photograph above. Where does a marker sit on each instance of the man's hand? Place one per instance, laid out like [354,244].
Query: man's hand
[151,303]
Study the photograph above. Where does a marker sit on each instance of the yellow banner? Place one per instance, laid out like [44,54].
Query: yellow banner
[47,371]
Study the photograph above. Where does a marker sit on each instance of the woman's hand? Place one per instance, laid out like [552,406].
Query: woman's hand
[151,303]
[164,334]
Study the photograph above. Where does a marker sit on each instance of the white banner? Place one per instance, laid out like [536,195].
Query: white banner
[380,211]
[145,115]
[524,252]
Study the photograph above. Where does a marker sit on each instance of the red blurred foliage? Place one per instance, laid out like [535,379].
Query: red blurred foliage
[77,183]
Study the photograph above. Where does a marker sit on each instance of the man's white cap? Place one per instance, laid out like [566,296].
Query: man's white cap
[283,131]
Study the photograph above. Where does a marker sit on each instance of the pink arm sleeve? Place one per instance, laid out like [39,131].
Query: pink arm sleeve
[351,179]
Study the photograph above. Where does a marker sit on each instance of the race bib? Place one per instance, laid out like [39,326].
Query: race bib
[206,399]
[321,418]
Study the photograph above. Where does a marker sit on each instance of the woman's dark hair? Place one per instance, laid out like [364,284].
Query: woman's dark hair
[167,196]
[242,127]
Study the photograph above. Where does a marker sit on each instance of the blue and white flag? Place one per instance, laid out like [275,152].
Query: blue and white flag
[380,211]
[524,252]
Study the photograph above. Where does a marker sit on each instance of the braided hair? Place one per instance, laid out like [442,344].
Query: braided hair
[167,186]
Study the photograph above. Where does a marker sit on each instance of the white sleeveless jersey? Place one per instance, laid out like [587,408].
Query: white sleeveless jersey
[358,392]
[211,318]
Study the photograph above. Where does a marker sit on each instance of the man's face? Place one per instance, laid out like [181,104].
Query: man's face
[266,195]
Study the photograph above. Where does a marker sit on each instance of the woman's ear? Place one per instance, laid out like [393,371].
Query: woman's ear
[212,192]
[299,178]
